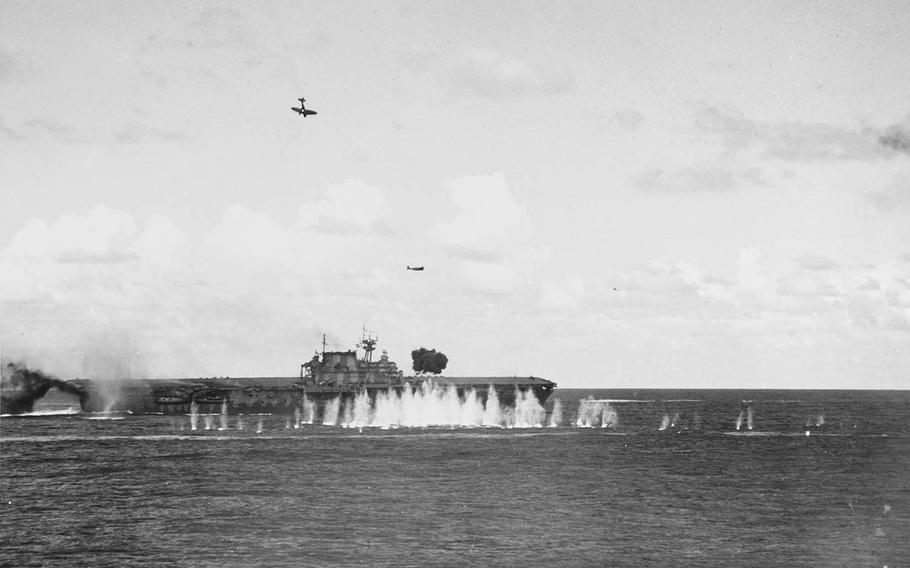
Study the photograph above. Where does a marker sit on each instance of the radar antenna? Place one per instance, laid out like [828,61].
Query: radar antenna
[368,344]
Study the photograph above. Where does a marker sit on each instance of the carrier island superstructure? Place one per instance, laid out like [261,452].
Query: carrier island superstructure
[327,376]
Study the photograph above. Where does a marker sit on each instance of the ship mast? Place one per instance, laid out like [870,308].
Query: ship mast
[368,343]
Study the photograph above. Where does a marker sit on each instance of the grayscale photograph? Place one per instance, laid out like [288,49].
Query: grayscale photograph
[404,283]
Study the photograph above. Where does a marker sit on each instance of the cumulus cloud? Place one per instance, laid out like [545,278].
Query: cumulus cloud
[103,235]
[246,234]
[349,207]
[161,242]
[488,225]
[252,290]
[190,303]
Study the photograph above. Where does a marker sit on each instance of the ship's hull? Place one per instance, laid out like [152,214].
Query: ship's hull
[286,395]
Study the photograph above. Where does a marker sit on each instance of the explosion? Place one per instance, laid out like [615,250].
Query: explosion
[20,387]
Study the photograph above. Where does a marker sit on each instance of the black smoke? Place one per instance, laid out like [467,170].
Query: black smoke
[428,361]
[20,387]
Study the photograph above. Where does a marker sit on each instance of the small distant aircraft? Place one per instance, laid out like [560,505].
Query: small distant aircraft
[302,111]
[417,268]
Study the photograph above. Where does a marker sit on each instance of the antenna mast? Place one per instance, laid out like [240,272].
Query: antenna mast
[368,343]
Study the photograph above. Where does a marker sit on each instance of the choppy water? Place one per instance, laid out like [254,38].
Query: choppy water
[660,478]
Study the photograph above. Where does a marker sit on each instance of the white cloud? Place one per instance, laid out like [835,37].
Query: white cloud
[491,73]
[750,276]
[489,225]
[244,298]
[351,206]
[161,241]
[567,293]
[99,236]
[246,234]
[488,72]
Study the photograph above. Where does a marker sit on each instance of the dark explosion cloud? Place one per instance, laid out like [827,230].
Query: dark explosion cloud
[20,387]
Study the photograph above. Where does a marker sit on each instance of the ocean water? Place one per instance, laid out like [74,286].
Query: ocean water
[625,478]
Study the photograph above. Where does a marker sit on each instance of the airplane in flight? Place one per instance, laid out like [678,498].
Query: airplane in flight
[303,111]
[416,268]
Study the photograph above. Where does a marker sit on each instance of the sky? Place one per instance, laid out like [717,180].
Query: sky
[622,194]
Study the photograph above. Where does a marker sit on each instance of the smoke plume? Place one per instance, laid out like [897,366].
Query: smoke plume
[20,387]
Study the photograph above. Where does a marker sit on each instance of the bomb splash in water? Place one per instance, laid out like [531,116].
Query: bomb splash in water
[594,413]
[434,405]
[556,417]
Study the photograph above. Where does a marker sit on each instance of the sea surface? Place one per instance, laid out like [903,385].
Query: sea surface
[661,478]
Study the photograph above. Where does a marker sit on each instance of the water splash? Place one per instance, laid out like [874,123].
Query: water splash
[309,410]
[596,413]
[739,420]
[347,414]
[194,415]
[224,415]
[259,427]
[664,423]
[556,417]
[749,418]
[209,421]
[332,409]
[492,412]
[240,424]
[436,405]
[297,415]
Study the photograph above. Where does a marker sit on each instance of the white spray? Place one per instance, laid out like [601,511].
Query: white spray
[593,413]
[528,411]
[436,405]
[224,415]
[309,410]
[332,408]
[492,413]
[194,415]
[556,417]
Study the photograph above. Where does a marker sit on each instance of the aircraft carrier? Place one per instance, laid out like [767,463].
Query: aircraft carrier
[327,376]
